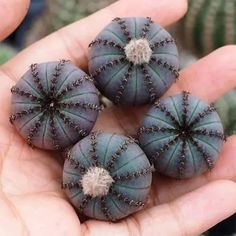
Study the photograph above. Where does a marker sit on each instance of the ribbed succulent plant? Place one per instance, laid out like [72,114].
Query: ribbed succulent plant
[182,136]
[54,105]
[107,176]
[133,60]
[209,24]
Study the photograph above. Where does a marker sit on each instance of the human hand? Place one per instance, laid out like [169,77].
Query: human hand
[31,199]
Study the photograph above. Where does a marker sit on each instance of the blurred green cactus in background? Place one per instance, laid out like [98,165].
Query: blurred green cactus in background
[226,108]
[6,52]
[60,13]
[66,12]
[209,24]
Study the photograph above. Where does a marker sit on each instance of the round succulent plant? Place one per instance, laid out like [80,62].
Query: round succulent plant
[182,136]
[133,60]
[54,105]
[107,176]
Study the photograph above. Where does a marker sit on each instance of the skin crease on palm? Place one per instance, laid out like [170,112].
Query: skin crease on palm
[31,200]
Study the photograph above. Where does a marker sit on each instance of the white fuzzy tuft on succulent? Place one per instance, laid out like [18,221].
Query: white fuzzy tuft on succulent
[138,51]
[96,182]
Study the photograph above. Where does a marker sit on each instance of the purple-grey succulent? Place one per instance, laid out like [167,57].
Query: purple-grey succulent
[54,105]
[133,60]
[107,176]
[181,135]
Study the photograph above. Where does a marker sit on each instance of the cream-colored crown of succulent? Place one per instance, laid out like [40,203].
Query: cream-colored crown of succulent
[96,182]
[138,51]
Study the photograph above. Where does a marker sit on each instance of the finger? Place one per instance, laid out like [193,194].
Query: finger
[72,41]
[190,214]
[11,12]
[210,77]
[168,189]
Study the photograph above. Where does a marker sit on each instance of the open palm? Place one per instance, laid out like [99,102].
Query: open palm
[31,199]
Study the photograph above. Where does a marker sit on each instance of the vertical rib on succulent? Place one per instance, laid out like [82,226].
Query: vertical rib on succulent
[36,78]
[164,148]
[149,83]
[160,106]
[56,74]
[54,133]
[165,65]
[73,85]
[108,64]
[161,43]
[202,114]
[146,27]
[105,210]
[71,185]
[204,154]
[126,199]
[34,129]
[153,129]
[182,159]
[83,105]
[133,175]
[84,203]
[123,147]
[123,27]
[210,133]
[75,164]
[68,121]
[185,105]
[106,42]
[23,93]
[122,87]
[19,115]
[94,156]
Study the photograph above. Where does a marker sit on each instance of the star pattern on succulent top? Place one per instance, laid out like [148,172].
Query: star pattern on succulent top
[182,136]
[54,104]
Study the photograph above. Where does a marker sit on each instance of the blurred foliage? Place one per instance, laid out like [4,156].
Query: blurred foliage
[226,108]
[65,12]
[6,52]
[208,25]
[60,13]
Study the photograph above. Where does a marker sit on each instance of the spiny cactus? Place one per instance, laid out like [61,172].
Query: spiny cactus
[182,136]
[133,60]
[54,105]
[107,176]
[209,24]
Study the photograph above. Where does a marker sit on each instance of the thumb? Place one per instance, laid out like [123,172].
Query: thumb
[12,12]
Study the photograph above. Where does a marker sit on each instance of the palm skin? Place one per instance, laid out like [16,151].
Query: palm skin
[31,199]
